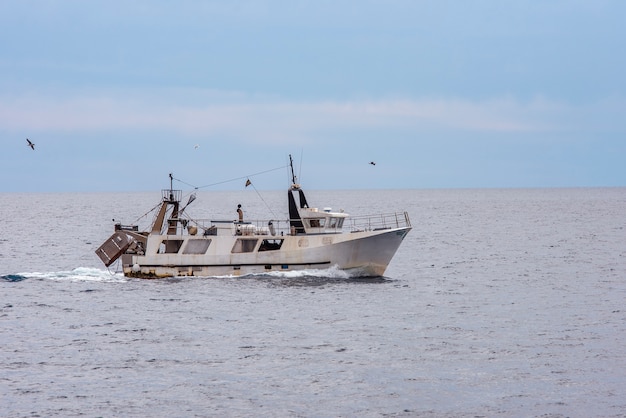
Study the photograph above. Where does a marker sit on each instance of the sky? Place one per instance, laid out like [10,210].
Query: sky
[439,94]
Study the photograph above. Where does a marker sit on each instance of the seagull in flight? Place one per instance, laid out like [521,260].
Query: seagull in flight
[30,144]
[372,163]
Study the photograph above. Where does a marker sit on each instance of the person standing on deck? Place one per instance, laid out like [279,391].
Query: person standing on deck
[240,212]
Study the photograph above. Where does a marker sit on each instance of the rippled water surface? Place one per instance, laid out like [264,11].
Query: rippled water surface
[498,303]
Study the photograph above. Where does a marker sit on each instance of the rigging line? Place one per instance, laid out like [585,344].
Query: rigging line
[184,182]
[300,168]
[146,214]
[243,177]
[189,193]
[261,197]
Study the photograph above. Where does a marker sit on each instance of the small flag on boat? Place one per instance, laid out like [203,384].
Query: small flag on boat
[248,182]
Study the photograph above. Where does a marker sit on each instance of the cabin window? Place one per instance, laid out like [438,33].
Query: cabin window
[317,223]
[270,244]
[197,246]
[170,246]
[244,245]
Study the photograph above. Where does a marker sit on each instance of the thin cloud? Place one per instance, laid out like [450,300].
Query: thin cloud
[273,120]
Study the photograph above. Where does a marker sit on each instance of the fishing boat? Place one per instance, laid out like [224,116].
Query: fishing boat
[311,239]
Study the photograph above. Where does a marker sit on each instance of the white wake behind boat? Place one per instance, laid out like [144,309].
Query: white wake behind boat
[178,245]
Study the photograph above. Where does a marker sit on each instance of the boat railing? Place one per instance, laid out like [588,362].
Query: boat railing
[251,227]
[276,227]
[170,195]
[379,222]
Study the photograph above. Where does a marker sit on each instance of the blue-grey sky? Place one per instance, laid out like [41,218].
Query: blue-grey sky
[440,94]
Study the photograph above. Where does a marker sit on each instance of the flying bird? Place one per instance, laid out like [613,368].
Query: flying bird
[372,163]
[30,144]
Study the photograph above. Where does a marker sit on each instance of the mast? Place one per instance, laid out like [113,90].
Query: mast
[172,223]
[294,183]
[170,197]
[171,187]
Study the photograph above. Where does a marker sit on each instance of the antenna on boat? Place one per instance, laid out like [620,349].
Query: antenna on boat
[294,183]
[300,169]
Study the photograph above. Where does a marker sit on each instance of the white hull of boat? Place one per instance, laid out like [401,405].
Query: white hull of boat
[365,253]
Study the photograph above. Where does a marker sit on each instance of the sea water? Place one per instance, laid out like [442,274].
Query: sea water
[498,303]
